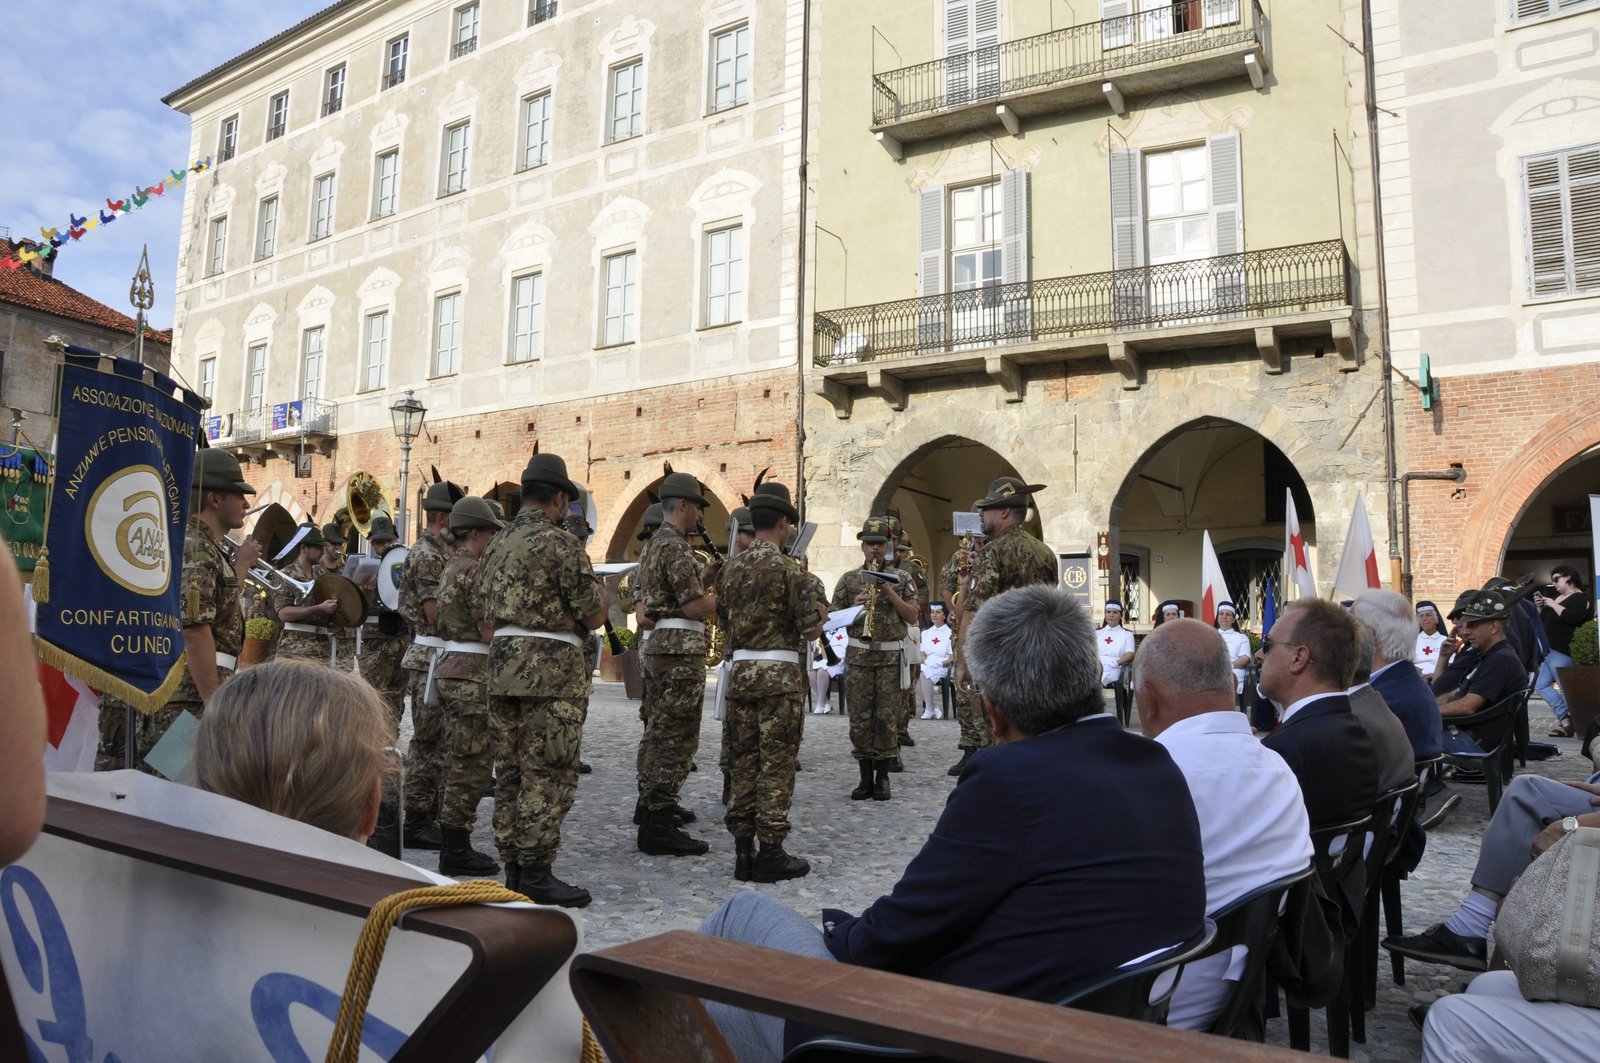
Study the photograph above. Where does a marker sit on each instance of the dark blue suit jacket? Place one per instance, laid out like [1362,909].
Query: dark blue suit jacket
[1056,859]
[1333,757]
[1411,699]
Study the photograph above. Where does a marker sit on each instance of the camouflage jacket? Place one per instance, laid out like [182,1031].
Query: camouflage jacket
[458,619]
[1011,560]
[536,576]
[765,601]
[210,597]
[288,596]
[669,578]
[915,578]
[420,582]
[886,623]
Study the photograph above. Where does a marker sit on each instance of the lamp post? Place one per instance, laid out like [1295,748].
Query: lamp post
[407,414]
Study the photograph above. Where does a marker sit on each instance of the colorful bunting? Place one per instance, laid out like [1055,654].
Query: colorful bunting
[53,237]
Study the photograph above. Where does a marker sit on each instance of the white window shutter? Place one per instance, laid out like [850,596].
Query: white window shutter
[930,265]
[1221,12]
[1127,209]
[1015,267]
[1547,226]
[986,45]
[1583,185]
[1116,28]
[957,52]
[1227,198]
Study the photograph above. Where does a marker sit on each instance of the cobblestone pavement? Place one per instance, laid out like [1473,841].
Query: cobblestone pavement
[857,849]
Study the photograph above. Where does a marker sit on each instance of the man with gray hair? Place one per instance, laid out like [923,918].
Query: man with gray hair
[1394,636]
[1253,824]
[1006,895]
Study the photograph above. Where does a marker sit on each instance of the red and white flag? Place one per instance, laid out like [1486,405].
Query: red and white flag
[1213,588]
[1358,566]
[1296,561]
[72,713]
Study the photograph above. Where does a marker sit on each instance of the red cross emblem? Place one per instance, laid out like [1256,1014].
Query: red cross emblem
[1427,651]
[937,640]
[1108,640]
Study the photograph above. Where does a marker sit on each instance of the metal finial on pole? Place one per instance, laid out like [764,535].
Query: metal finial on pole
[142,294]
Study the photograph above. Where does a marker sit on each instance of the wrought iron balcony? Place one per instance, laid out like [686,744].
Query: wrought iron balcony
[393,78]
[1247,297]
[541,11]
[466,47]
[332,105]
[308,419]
[276,130]
[1186,43]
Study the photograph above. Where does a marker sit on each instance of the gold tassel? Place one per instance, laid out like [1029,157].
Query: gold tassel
[41,577]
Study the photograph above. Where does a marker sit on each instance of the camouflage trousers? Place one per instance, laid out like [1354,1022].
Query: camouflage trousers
[874,696]
[763,738]
[908,703]
[380,666]
[537,776]
[425,758]
[675,693]
[304,646]
[469,751]
[976,732]
[111,755]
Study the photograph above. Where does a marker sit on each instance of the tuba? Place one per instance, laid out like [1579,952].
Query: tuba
[364,495]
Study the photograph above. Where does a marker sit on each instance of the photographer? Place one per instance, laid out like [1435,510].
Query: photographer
[1561,611]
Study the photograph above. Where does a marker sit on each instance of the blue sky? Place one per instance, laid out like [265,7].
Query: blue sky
[81,119]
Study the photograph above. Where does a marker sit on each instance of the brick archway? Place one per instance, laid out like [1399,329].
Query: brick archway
[618,521]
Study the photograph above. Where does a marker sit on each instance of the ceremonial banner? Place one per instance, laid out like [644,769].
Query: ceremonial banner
[1213,587]
[1296,563]
[107,582]
[24,486]
[1358,565]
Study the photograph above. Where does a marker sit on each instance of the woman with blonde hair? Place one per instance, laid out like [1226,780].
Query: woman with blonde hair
[300,740]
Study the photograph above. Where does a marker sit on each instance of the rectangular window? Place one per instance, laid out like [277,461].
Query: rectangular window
[386,184]
[267,227]
[219,245]
[626,109]
[1561,191]
[447,334]
[333,91]
[976,259]
[255,381]
[377,360]
[730,68]
[465,39]
[228,142]
[617,317]
[724,281]
[1536,10]
[540,10]
[1178,205]
[394,69]
[453,158]
[527,317]
[312,362]
[535,130]
[208,378]
[278,115]
[322,207]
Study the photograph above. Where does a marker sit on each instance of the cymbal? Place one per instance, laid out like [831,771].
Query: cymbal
[352,609]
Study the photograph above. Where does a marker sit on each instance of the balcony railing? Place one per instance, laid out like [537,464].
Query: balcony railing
[284,420]
[276,130]
[466,47]
[541,11]
[1251,284]
[393,78]
[1094,50]
[332,105]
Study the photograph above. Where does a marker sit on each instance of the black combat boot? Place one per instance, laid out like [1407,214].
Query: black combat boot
[906,739]
[864,791]
[422,832]
[880,788]
[513,874]
[458,857]
[537,883]
[659,837]
[680,815]
[961,765]
[727,787]
[895,763]
[775,865]
[744,858]
[386,836]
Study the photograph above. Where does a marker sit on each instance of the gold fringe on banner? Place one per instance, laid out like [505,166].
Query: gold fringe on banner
[105,682]
[41,577]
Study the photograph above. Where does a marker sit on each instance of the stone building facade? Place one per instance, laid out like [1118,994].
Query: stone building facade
[571,223]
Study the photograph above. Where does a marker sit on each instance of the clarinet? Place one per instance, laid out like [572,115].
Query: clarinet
[711,548]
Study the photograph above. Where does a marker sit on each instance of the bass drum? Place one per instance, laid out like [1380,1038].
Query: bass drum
[391,567]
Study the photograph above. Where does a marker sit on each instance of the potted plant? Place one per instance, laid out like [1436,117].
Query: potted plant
[611,667]
[1580,681]
[260,640]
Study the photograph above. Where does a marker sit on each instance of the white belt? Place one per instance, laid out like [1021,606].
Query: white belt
[886,647]
[309,629]
[677,624]
[370,621]
[785,656]
[481,648]
[644,635]
[430,642]
[228,661]
[521,632]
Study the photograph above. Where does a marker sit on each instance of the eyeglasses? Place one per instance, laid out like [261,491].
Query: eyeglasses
[1267,643]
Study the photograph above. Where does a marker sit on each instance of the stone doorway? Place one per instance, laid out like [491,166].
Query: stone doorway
[1554,525]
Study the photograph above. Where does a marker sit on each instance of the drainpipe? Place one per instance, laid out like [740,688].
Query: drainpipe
[1389,463]
[1457,474]
[800,269]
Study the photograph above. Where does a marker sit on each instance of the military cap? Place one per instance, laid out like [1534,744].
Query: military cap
[875,530]
[333,534]
[550,469]
[681,485]
[773,495]
[1485,604]
[1008,491]
[382,530]
[469,513]
[217,470]
[441,497]
[652,520]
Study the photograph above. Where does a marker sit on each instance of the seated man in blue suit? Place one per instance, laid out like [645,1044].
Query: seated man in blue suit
[1013,892]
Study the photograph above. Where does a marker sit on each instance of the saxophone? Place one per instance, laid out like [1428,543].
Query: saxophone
[873,594]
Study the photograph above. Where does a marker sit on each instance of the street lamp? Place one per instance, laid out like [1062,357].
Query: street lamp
[407,414]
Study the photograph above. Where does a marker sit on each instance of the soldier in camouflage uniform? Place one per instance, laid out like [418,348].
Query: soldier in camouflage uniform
[306,632]
[384,637]
[625,597]
[1010,558]
[676,601]
[974,725]
[742,538]
[212,616]
[332,563]
[419,605]
[873,675]
[470,750]
[536,589]
[917,580]
[765,604]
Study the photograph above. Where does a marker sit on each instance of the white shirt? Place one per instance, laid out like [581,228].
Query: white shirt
[1111,643]
[936,645]
[1253,830]
[1296,706]
[1238,644]
[1427,654]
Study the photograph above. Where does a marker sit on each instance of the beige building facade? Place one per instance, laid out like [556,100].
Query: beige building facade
[570,223]
[1123,254]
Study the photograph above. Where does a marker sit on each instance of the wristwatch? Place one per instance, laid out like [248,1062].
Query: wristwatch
[1569,825]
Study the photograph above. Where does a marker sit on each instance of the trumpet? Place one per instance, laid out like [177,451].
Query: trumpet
[262,574]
